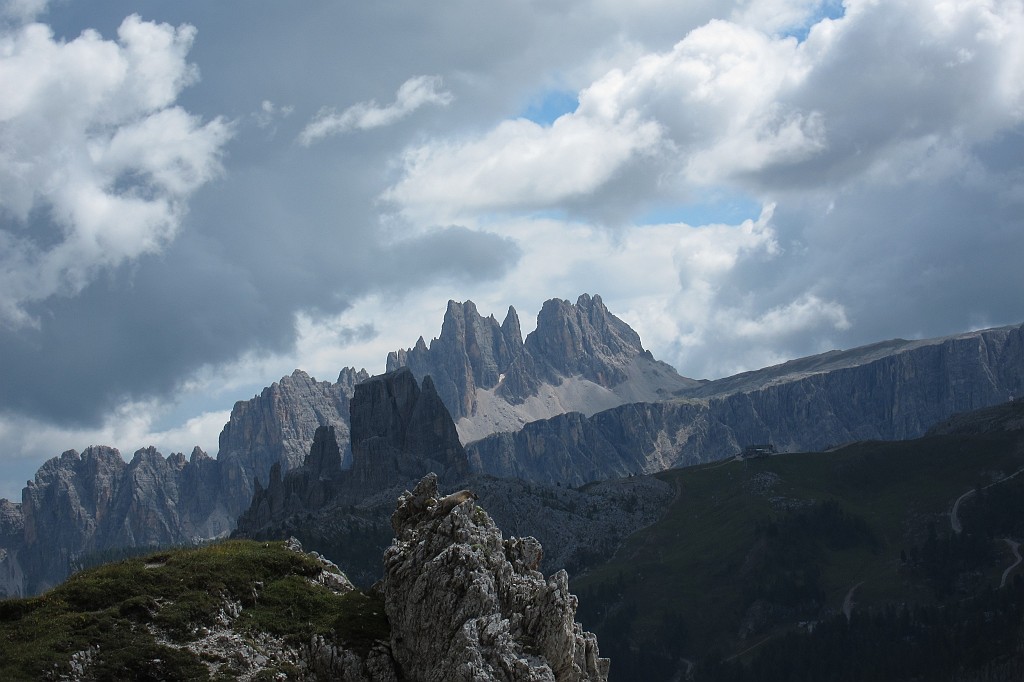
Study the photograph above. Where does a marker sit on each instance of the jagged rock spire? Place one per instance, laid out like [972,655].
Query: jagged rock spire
[466,604]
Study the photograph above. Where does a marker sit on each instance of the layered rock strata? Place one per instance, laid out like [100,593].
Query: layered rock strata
[890,391]
[466,604]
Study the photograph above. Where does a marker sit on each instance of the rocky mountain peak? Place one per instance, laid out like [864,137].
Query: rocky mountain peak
[277,426]
[400,431]
[199,455]
[473,352]
[349,377]
[510,327]
[466,604]
[492,380]
[11,520]
[583,339]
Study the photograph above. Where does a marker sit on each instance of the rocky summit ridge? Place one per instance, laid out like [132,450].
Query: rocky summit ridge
[580,358]
[890,391]
[400,432]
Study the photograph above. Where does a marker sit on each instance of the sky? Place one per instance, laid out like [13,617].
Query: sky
[197,198]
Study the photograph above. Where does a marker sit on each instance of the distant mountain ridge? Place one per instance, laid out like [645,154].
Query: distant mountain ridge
[578,400]
[890,391]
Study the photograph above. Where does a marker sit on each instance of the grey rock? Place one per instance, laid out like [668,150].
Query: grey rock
[277,426]
[81,504]
[583,339]
[400,432]
[579,358]
[471,352]
[889,391]
[466,604]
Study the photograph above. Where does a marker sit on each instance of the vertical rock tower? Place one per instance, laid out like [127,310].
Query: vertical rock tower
[466,604]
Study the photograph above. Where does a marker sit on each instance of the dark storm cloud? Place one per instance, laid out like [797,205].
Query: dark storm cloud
[139,331]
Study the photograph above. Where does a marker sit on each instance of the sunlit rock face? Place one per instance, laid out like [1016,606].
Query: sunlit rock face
[277,427]
[466,604]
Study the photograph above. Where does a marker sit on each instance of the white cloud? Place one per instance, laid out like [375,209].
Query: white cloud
[733,103]
[269,112]
[520,164]
[794,317]
[413,94]
[92,144]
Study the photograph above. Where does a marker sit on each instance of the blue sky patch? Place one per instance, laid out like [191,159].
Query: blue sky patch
[549,105]
[829,9]
[729,209]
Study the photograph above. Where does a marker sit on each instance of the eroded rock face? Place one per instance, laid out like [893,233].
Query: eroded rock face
[79,504]
[466,604]
[583,339]
[471,352]
[277,426]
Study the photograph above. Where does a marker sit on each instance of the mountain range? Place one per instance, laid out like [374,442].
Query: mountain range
[578,400]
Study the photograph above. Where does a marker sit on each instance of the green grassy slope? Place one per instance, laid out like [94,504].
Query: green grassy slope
[125,613]
[749,549]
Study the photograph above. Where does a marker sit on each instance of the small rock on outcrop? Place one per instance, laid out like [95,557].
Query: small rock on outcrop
[465,604]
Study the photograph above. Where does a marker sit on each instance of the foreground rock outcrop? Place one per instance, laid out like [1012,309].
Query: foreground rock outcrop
[466,604]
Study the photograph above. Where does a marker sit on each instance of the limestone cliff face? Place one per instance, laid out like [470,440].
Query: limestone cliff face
[583,339]
[579,358]
[277,426]
[79,504]
[895,390]
[466,604]
[399,432]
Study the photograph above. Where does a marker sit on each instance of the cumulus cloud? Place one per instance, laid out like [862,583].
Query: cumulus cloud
[736,103]
[522,164]
[97,163]
[413,94]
